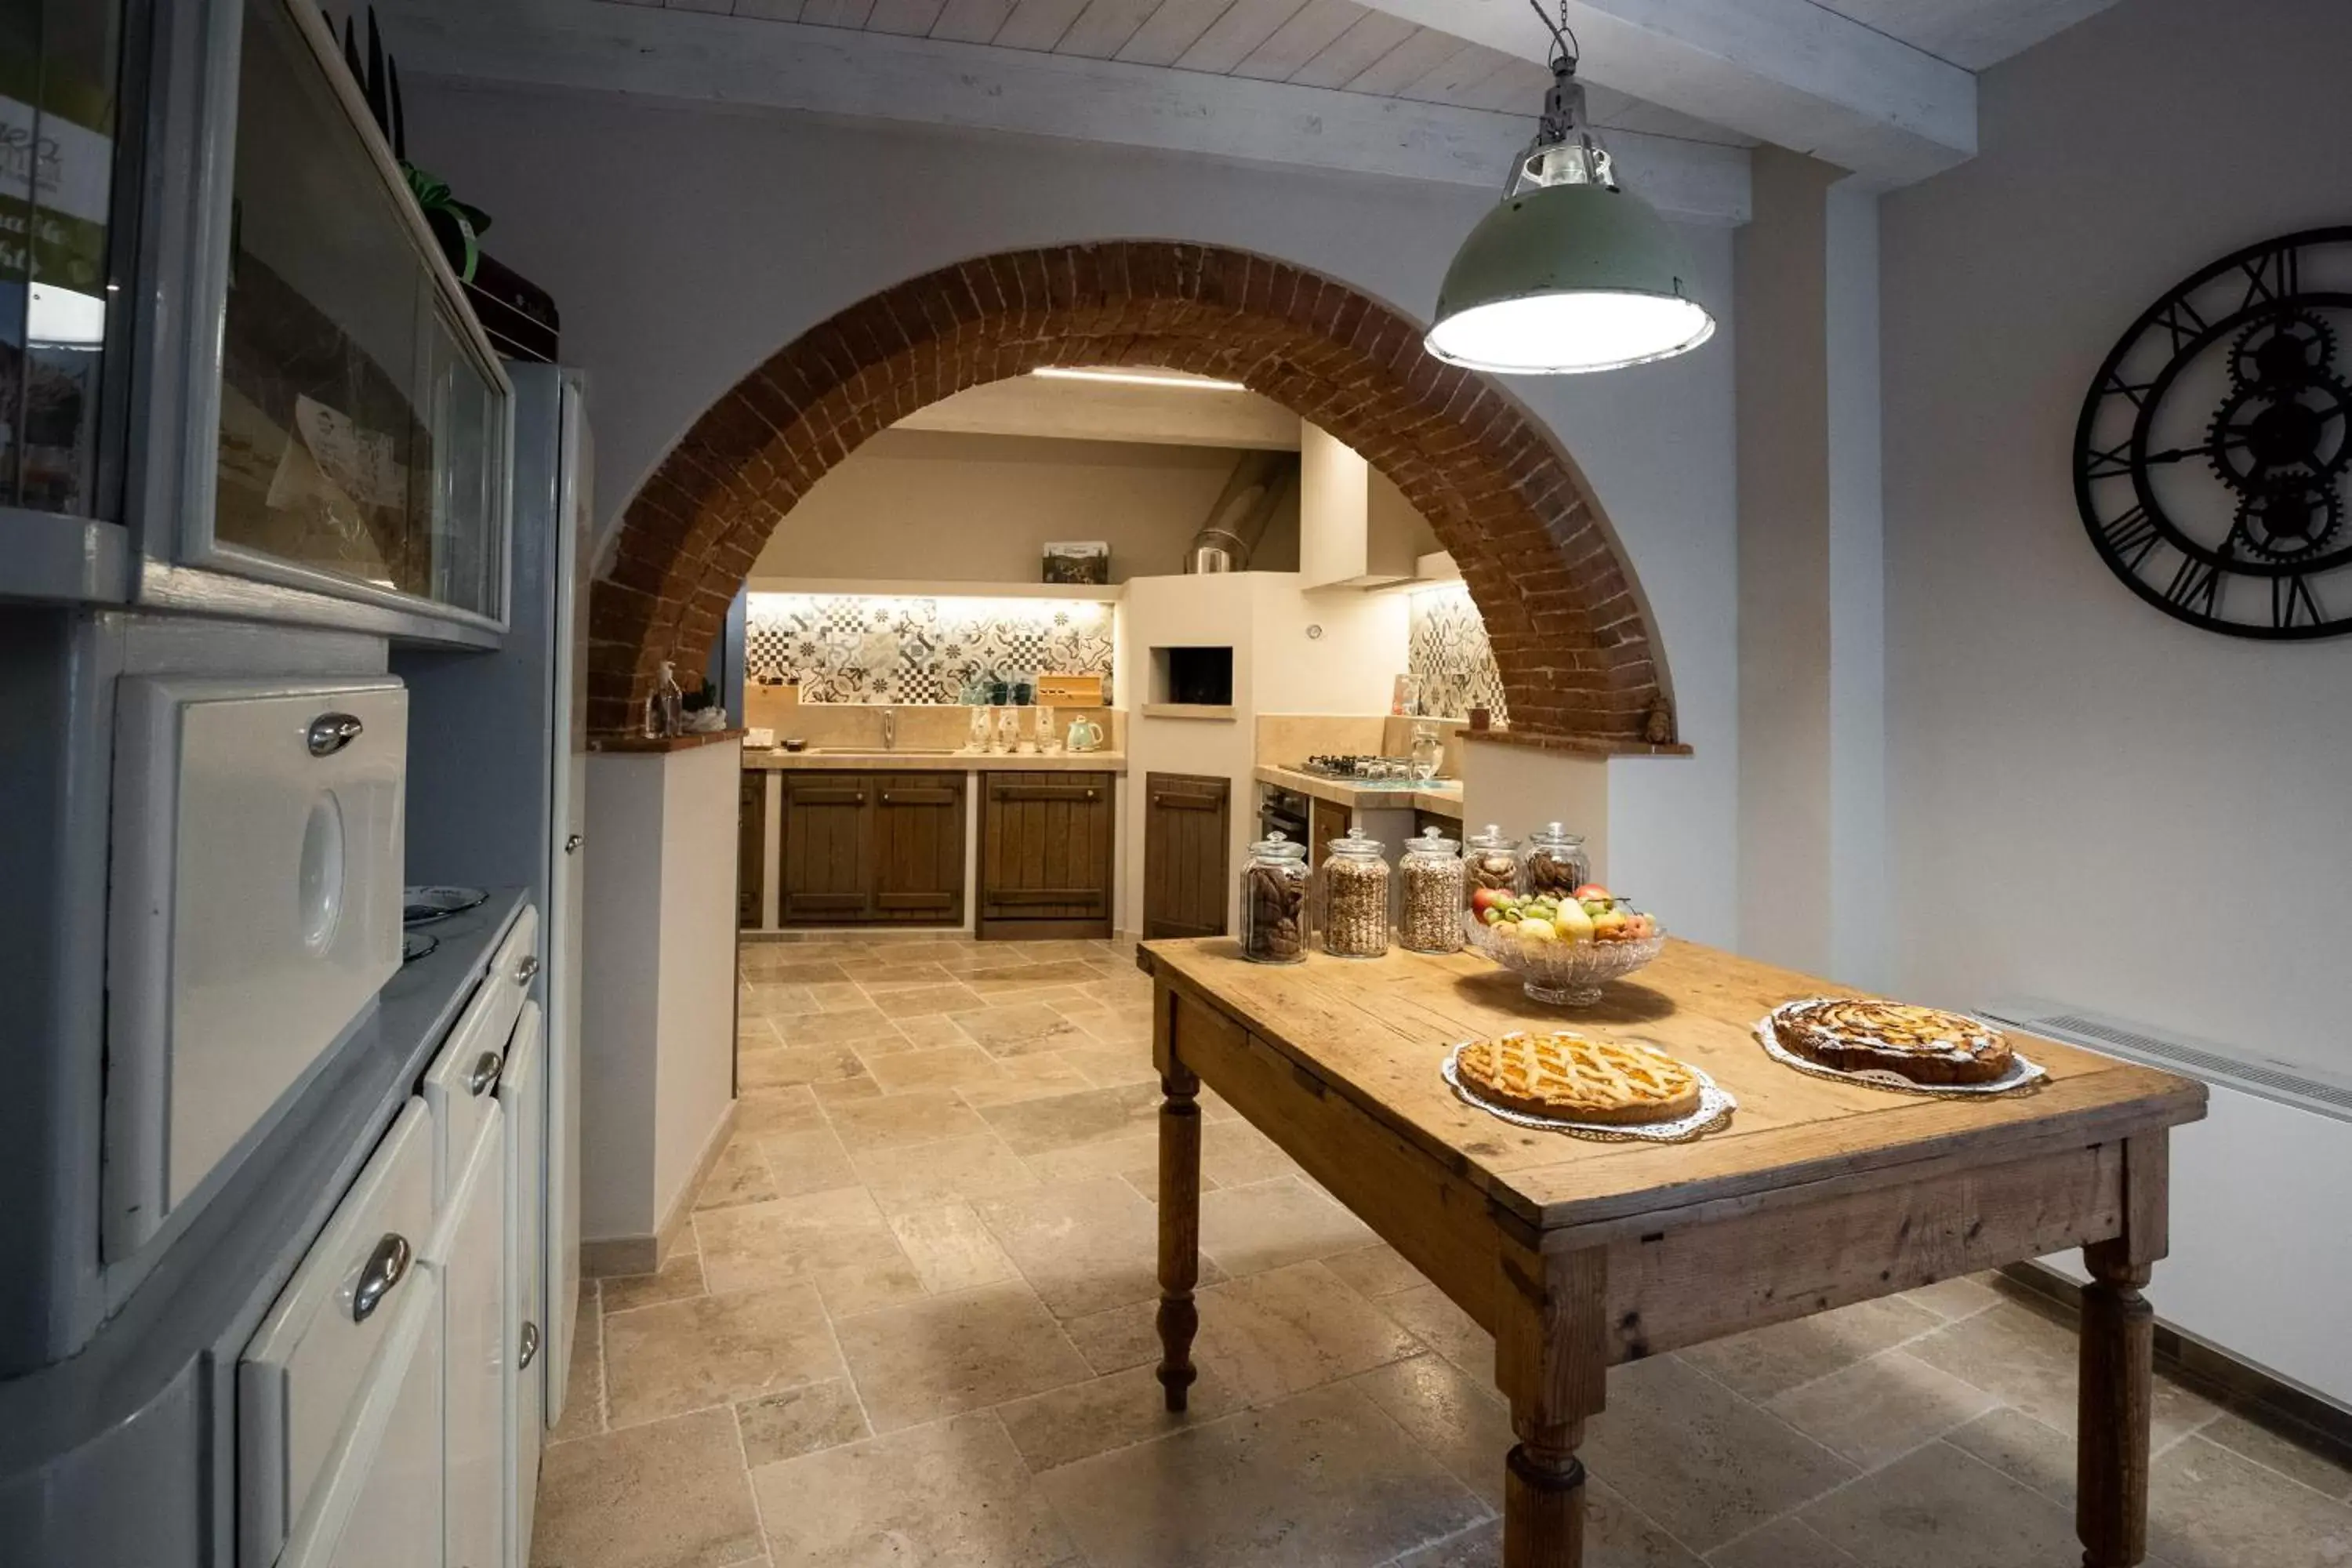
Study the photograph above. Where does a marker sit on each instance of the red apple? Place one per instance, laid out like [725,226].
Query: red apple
[1592,890]
[1485,899]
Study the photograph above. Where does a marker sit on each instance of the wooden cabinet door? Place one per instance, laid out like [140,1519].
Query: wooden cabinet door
[1045,851]
[1326,821]
[918,847]
[825,878]
[750,846]
[1185,834]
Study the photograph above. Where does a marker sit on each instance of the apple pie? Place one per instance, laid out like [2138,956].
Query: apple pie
[1925,1044]
[1568,1078]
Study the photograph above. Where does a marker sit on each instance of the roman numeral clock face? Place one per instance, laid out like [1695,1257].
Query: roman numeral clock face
[2211,463]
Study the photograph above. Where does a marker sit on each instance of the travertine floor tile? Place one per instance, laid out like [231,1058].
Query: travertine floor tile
[1083,1419]
[2209,1508]
[1038,1077]
[685,1356]
[920,1000]
[780,1067]
[583,1399]
[1085,1246]
[2027,1361]
[1275,1334]
[1699,1459]
[800,1421]
[1129,1153]
[668,1494]
[932,1030]
[1320,1479]
[766,999]
[953,1494]
[1959,1297]
[1941,1508]
[1021,1029]
[1876,1409]
[806,1162]
[1271,1224]
[1783,1544]
[2306,1456]
[1762,1361]
[1444,1328]
[1375,1271]
[739,1175]
[788,1239]
[1108,1066]
[951,1249]
[929,1174]
[894,1121]
[1118,1337]
[680,1277]
[762,1111]
[937,1357]
[850,1027]
[943,1067]
[1034,1126]
[786,971]
[1465,1426]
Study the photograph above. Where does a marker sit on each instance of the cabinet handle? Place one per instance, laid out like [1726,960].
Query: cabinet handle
[387,1266]
[571,845]
[527,1352]
[331,732]
[485,1076]
[525,968]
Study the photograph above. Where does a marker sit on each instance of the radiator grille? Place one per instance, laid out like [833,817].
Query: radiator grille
[2273,1080]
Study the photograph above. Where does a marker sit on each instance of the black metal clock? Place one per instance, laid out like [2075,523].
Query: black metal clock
[2215,449]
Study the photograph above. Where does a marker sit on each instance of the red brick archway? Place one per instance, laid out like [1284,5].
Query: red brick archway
[1578,659]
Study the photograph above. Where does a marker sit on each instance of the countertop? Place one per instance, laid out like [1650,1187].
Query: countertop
[936,761]
[1442,797]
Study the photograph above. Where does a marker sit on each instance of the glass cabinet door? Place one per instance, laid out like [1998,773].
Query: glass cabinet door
[363,431]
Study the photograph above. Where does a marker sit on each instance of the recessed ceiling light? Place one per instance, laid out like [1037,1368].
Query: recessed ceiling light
[1139,378]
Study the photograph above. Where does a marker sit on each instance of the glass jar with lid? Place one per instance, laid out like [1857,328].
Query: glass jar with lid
[1429,918]
[1555,863]
[1355,897]
[1274,900]
[1490,860]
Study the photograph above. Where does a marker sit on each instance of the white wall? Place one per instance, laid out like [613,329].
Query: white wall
[941,506]
[2090,800]
[658,1038]
[684,245]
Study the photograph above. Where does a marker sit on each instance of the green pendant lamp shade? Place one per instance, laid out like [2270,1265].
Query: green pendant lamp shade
[1568,273]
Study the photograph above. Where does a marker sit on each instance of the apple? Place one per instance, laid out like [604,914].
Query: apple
[1612,919]
[1485,899]
[1592,890]
[1536,928]
[1490,916]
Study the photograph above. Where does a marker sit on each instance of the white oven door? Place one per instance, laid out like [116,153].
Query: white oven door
[254,913]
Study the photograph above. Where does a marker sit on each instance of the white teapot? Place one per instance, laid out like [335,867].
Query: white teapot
[1085,736]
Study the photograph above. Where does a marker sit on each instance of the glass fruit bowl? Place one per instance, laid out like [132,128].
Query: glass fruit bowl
[1563,973]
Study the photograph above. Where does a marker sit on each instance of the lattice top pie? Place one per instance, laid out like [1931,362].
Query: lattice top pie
[1925,1044]
[1572,1078]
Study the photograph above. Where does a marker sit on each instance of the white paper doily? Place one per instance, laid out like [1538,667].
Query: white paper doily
[2020,1074]
[1715,1108]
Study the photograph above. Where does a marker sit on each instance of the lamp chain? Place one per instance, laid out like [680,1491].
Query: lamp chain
[1566,48]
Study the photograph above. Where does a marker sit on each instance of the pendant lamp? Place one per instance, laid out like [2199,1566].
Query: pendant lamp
[1570,273]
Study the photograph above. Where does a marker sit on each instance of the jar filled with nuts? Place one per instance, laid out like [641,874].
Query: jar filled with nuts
[1556,865]
[1490,861]
[1431,915]
[1274,901]
[1355,898]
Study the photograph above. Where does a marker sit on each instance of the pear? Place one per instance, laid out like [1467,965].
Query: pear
[1571,923]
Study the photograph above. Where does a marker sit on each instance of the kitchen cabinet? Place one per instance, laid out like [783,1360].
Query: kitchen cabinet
[383,1493]
[469,1253]
[1046,850]
[751,847]
[1326,820]
[1186,835]
[871,849]
[523,1100]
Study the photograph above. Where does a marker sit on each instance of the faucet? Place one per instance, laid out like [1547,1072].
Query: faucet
[889,729]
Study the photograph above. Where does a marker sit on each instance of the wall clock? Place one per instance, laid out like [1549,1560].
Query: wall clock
[2210,462]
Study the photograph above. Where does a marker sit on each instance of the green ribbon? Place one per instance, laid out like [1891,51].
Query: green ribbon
[433,196]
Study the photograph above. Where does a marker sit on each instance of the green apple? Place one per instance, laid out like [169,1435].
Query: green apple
[1537,928]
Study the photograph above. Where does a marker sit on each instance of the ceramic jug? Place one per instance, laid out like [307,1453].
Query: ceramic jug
[1085,736]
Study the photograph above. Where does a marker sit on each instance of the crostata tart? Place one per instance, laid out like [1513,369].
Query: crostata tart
[1925,1044]
[1568,1078]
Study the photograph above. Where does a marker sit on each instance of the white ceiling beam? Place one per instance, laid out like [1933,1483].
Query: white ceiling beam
[1787,71]
[690,56]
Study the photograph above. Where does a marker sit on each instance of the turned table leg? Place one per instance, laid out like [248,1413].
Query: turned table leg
[1179,1224]
[1551,1361]
[2118,1365]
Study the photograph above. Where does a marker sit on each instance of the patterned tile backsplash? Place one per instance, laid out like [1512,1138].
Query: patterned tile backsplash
[1450,654]
[857,647]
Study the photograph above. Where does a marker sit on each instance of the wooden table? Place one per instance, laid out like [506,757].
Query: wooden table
[1579,1254]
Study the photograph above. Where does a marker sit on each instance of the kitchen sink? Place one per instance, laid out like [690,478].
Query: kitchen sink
[879,752]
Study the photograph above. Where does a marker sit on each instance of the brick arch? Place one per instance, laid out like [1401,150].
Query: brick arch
[1571,634]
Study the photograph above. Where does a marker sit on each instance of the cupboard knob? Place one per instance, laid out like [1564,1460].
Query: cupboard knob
[387,1266]
[485,1076]
[331,732]
[527,1352]
[525,968]
[571,845]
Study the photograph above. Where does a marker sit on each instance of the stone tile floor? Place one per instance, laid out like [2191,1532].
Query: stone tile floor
[913,1326]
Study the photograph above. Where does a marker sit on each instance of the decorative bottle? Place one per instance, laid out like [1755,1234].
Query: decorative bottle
[665,706]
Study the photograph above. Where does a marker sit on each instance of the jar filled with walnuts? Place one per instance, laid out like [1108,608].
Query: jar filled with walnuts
[1355,898]
[1555,863]
[1430,916]
[1490,861]
[1274,900]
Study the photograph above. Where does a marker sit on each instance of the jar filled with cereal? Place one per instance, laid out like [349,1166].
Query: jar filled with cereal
[1355,898]
[1555,865]
[1489,861]
[1274,901]
[1430,909]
